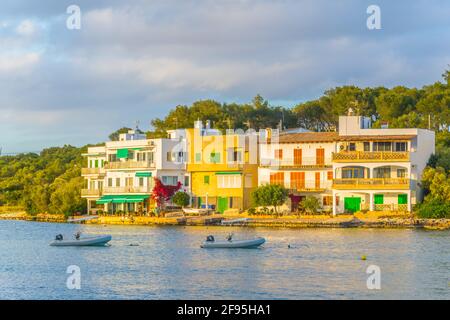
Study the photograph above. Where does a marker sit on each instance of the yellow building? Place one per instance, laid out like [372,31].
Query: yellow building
[223,169]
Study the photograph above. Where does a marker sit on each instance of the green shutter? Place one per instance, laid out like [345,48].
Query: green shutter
[379,199]
[402,199]
[222,204]
[206,179]
[122,153]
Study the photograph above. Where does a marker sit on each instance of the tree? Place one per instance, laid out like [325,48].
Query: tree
[162,193]
[270,195]
[310,204]
[181,199]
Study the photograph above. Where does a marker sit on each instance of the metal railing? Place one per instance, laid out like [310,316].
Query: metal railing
[88,171]
[373,183]
[125,190]
[370,156]
[305,162]
[91,192]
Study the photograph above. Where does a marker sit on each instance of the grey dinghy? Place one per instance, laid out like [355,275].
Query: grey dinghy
[252,243]
[86,241]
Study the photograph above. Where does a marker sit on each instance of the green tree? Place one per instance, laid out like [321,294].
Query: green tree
[270,195]
[115,135]
[181,199]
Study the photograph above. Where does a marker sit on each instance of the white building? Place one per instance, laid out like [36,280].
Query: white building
[356,168]
[120,175]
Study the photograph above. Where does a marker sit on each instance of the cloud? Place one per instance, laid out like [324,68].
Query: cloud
[136,59]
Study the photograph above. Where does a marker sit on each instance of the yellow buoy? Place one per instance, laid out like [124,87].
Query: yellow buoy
[363,258]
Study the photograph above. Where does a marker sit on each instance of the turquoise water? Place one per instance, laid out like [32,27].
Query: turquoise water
[168,263]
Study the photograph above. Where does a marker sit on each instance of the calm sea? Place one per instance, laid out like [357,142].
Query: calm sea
[169,264]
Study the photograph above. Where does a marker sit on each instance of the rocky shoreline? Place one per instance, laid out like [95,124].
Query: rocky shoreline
[280,222]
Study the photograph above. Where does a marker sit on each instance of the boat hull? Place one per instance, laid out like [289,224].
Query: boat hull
[84,242]
[233,244]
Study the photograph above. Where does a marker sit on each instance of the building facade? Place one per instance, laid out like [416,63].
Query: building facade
[223,168]
[120,175]
[355,168]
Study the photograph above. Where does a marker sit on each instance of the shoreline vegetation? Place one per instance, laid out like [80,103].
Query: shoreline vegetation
[358,220]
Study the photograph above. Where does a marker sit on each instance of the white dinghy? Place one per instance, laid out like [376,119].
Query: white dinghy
[231,243]
[85,241]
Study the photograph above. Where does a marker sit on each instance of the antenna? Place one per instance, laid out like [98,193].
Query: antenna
[137,125]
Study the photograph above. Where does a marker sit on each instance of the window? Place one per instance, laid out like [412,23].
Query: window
[186,181]
[112,157]
[330,175]
[400,146]
[151,157]
[277,178]
[382,173]
[141,182]
[382,146]
[215,157]
[297,180]
[206,179]
[170,180]
[320,156]
[140,156]
[279,154]
[234,155]
[229,181]
[366,146]
[96,163]
[117,182]
[171,156]
[110,182]
[327,200]
[352,146]
[401,173]
[352,173]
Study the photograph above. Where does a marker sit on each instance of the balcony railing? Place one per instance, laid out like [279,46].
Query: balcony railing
[391,207]
[306,186]
[88,171]
[374,183]
[125,190]
[297,163]
[366,156]
[129,165]
[91,192]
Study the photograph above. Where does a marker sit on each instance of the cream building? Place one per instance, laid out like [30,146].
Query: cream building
[355,168]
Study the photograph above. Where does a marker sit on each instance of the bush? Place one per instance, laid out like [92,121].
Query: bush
[251,211]
[310,205]
[434,209]
[181,199]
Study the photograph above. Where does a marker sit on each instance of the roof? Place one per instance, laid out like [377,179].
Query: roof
[305,137]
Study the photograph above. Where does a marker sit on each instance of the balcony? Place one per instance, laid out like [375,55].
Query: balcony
[307,186]
[129,165]
[373,156]
[125,190]
[303,163]
[92,171]
[375,183]
[91,192]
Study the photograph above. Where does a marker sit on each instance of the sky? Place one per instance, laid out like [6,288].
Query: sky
[135,60]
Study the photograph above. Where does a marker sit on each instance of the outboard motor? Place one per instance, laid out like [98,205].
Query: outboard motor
[210,238]
[59,237]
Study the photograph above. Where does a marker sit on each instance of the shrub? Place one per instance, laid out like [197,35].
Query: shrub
[181,199]
[310,205]
[251,211]
[434,209]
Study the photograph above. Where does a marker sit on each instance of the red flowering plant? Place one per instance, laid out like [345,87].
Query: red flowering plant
[162,193]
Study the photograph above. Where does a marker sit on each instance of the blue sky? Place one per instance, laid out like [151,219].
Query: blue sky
[135,60]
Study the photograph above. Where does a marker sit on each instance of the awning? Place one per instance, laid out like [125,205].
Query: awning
[143,174]
[122,153]
[132,198]
[228,172]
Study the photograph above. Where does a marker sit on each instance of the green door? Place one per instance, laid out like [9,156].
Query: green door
[402,199]
[379,199]
[352,204]
[222,204]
